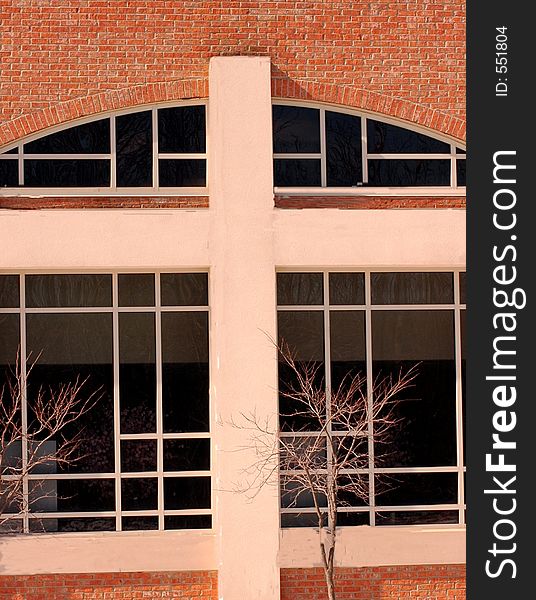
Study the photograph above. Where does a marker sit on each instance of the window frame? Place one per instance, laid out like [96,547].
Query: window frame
[367,307]
[323,190]
[159,435]
[112,190]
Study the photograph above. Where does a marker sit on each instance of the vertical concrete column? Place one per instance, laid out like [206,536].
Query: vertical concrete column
[243,371]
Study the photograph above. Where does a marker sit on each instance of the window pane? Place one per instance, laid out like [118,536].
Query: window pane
[139,523]
[185,371]
[186,455]
[348,347]
[299,288]
[90,138]
[353,518]
[346,288]
[303,332]
[292,172]
[390,139]
[139,494]
[9,291]
[426,432]
[305,519]
[134,148]
[460,172]
[463,288]
[296,129]
[66,173]
[181,130]
[182,173]
[411,172]
[463,375]
[184,289]
[12,151]
[412,288]
[417,517]
[68,290]
[70,348]
[186,492]
[137,372]
[343,146]
[136,289]
[187,522]
[71,495]
[9,173]
[67,525]
[405,489]
[138,456]
[460,151]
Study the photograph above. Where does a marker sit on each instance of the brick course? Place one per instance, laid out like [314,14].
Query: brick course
[191,585]
[415,582]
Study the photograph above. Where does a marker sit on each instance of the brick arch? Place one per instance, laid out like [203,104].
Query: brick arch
[352,97]
[76,108]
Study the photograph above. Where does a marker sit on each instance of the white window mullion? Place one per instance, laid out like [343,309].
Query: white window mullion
[159,412]
[154,113]
[323,150]
[21,164]
[117,411]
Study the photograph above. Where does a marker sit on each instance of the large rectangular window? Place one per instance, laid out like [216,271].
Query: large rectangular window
[379,324]
[139,344]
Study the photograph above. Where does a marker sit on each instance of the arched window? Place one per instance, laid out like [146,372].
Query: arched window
[328,148]
[160,149]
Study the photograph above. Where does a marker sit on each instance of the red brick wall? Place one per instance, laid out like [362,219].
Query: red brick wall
[415,582]
[111,586]
[68,58]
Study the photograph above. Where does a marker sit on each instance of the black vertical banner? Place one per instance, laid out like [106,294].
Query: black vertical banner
[501,240]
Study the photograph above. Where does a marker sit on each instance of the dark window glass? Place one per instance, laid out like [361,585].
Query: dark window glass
[68,290]
[296,129]
[353,518]
[460,151]
[309,519]
[299,288]
[187,172]
[343,149]
[9,352]
[139,523]
[187,522]
[185,371]
[293,172]
[294,495]
[136,289]
[12,151]
[404,489]
[410,172]
[417,517]
[353,490]
[66,173]
[460,173]
[137,372]
[186,455]
[70,348]
[181,130]
[90,138]
[11,457]
[9,173]
[462,288]
[71,495]
[9,291]
[138,456]
[303,333]
[11,526]
[184,289]
[346,288]
[134,149]
[383,138]
[464,400]
[426,433]
[412,288]
[139,494]
[186,492]
[67,525]
[348,347]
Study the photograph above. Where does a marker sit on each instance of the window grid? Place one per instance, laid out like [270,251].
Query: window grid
[159,435]
[452,156]
[112,189]
[457,306]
